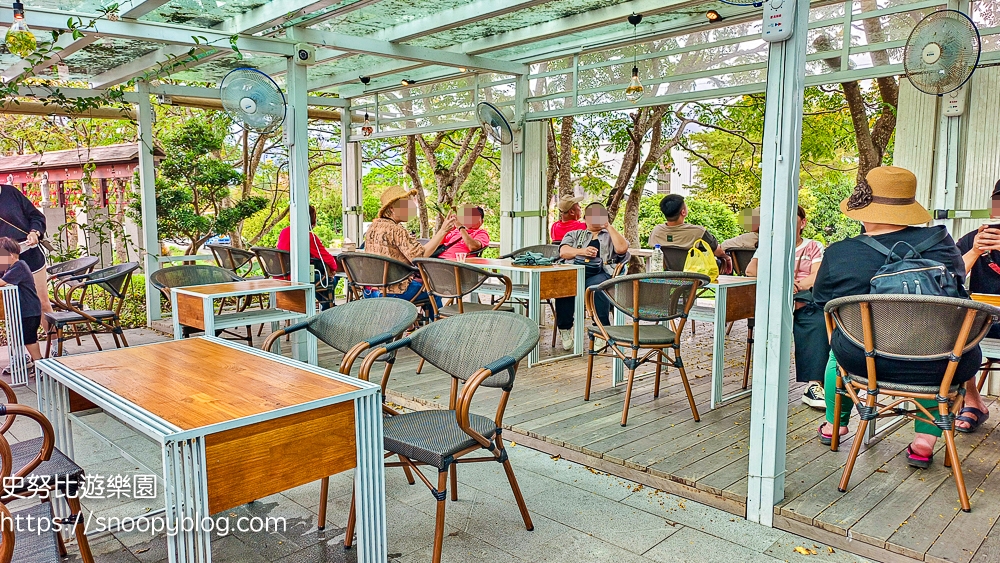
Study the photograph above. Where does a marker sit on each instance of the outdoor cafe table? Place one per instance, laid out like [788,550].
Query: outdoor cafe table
[543,283]
[194,306]
[10,313]
[735,299]
[235,424]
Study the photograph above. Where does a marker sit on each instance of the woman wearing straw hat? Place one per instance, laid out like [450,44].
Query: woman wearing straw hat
[886,205]
[388,237]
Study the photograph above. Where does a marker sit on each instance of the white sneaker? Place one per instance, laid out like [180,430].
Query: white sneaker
[567,338]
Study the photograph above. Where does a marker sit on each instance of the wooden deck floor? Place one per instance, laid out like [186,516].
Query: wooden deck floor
[891,512]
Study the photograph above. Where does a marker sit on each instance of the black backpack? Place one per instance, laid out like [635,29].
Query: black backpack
[911,274]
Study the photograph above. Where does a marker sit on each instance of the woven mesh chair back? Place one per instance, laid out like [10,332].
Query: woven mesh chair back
[344,326]
[446,279]
[275,263]
[73,267]
[674,258]
[230,258]
[546,250]
[183,276]
[912,327]
[462,344]
[660,296]
[741,257]
[114,280]
[374,270]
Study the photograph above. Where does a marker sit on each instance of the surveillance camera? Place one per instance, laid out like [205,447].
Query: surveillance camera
[305,54]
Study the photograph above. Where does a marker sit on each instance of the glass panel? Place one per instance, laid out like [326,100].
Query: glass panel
[101,56]
[383,14]
[894,27]
[201,13]
[829,38]
[215,70]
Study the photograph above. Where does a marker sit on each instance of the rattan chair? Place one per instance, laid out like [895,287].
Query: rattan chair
[277,264]
[183,276]
[39,469]
[547,250]
[480,349]
[72,319]
[236,260]
[659,297]
[74,267]
[28,546]
[353,329]
[911,328]
[373,271]
[741,258]
[454,280]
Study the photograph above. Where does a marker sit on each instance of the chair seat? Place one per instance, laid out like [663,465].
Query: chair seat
[648,334]
[905,387]
[67,317]
[31,546]
[58,465]
[432,436]
[452,310]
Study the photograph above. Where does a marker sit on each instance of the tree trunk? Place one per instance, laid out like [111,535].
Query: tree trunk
[410,167]
[566,157]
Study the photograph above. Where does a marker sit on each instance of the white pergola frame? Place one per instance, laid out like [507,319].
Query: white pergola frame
[522,174]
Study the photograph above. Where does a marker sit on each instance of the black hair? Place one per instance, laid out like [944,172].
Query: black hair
[592,204]
[671,206]
[10,246]
[312,216]
[802,212]
[477,209]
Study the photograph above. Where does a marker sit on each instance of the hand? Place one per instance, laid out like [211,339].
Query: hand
[797,287]
[986,240]
[588,251]
[2,283]
[33,238]
[449,223]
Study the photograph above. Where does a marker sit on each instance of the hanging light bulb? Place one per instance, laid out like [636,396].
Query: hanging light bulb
[634,90]
[20,40]
[366,127]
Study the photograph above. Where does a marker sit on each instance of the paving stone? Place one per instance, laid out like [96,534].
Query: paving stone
[578,546]
[460,546]
[689,545]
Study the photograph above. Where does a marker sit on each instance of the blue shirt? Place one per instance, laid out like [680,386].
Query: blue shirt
[19,274]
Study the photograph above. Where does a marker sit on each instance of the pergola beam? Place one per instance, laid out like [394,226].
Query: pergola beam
[349,77]
[406,52]
[63,47]
[271,14]
[476,11]
[147,63]
[135,9]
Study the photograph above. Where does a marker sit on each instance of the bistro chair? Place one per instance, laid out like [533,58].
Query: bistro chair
[74,267]
[183,276]
[277,264]
[989,346]
[658,297]
[34,467]
[454,280]
[373,271]
[73,319]
[912,328]
[480,349]
[236,260]
[353,329]
[546,250]
[741,258]
[28,546]
[674,258]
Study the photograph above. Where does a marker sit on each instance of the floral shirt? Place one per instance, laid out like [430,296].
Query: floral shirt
[389,238]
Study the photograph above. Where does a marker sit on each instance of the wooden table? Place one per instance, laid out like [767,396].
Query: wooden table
[735,299]
[543,283]
[194,306]
[10,313]
[235,423]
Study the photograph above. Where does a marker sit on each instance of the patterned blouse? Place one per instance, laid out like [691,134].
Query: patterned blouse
[389,238]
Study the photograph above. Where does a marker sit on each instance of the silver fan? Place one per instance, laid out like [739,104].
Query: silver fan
[253,100]
[942,52]
[494,123]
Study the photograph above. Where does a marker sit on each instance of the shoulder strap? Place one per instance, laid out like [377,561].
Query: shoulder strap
[932,240]
[878,246]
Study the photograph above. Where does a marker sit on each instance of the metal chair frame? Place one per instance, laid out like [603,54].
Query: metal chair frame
[355,286]
[233,259]
[69,296]
[434,288]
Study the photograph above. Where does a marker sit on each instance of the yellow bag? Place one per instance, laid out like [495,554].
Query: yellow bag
[702,261]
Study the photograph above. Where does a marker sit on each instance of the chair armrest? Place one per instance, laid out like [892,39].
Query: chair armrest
[508,288]
[11,396]
[465,402]
[281,332]
[6,529]
[48,435]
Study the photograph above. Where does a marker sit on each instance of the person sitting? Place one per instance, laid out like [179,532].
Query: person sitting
[812,347]
[15,271]
[675,233]
[388,237]
[323,262]
[569,218]
[598,249]
[468,237]
[750,238]
[981,253]
[889,216]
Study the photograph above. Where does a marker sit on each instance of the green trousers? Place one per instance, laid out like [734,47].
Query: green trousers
[830,387]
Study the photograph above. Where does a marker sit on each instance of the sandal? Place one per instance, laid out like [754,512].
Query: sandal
[917,460]
[827,439]
[981,417]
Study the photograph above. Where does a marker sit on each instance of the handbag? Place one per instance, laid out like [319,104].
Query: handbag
[592,266]
[700,261]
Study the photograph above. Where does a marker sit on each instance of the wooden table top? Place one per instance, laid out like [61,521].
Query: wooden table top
[196,382]
[246,285]
[508,263]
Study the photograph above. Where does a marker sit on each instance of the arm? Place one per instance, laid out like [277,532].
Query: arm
[568,249]
[474,244]
[810,280]
[317,250]
[751,269]
[36,219]
[617,240]
[438,237]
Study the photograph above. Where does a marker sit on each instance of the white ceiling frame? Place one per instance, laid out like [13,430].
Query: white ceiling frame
[355,76]
[135,9]
[272,13]
[142,65]
[66,46]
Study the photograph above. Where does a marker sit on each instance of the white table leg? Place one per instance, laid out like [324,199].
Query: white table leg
[718,346]
[208,312]
[53,402]
[534,309]
[580,315]
[178,330]
[186,498]
[15,340]
[369,480]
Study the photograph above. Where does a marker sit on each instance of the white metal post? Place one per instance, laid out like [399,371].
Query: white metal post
[297,135]
[353,197]
[779,198]
[147,190]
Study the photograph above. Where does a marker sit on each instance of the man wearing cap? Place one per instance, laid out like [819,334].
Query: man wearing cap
[569,218]
[981,252]
[885,204]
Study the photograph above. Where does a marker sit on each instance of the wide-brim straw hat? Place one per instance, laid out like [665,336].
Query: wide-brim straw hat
[893,199]
[391,195]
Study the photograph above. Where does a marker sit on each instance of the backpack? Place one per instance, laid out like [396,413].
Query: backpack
[910,274]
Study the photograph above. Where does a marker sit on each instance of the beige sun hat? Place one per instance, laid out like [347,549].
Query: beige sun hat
[391,195]
[567,202]
[892,200]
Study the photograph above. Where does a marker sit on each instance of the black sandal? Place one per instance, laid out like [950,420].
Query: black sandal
[981,417]
[917,460]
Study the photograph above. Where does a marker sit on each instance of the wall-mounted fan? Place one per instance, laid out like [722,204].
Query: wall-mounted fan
[495,124]
[253,100]
[942,52]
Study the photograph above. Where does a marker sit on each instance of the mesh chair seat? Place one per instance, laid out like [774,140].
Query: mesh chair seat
[57,465]
[452,310]
[433,436]
[31,546]
[67,317]
[649,335]
[73,267]
[905,387]
[183,276]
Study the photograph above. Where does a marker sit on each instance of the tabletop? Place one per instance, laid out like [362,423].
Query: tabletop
[196,382]
[241,286]
[508,264]
[730,281]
